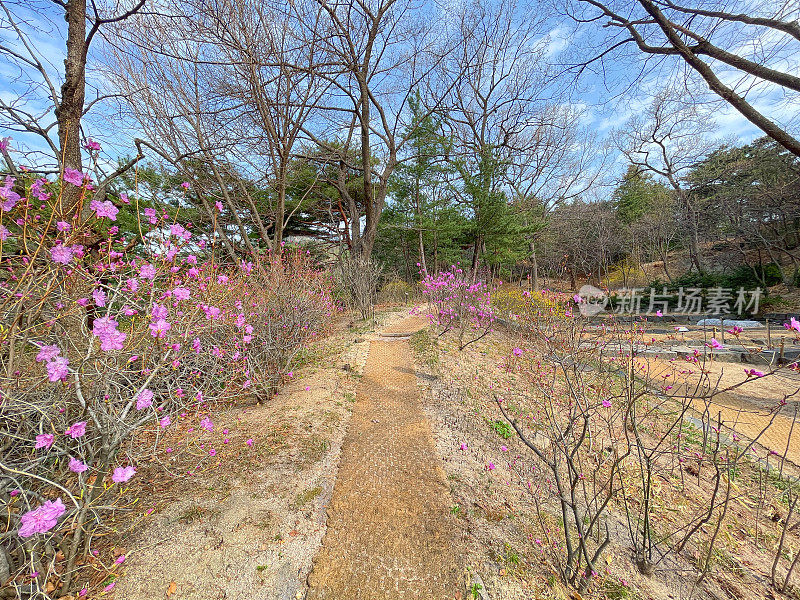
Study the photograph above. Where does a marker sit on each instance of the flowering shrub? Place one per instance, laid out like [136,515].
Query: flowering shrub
[458,304]
[103,339]
[515,304]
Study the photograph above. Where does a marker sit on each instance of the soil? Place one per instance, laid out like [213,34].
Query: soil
[250,526]
[389,532]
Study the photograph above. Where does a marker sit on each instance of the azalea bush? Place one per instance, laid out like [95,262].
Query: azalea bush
[457,303]
[105,337]
[626,448]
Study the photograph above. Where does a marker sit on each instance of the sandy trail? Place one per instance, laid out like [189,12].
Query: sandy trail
[389,532]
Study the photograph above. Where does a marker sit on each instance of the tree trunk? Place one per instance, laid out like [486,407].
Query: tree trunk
[69,110]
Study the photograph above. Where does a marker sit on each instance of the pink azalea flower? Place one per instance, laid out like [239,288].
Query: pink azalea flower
[63,226]
[77,466]
[218,204]
[99,297]
[159,329]
[607,403]
[41,519]
[793,324]
[73,176]
[104,209]
[463,446]
[659,313]
[185,185]
[91,145]
[61,254]
[207,424]
[715,344]
[144,399]
[165,422]
[47,353]
[123,474]
[490,466]
[105,328]
[120,559]
[212,452]
[44,440]
[4,233]
[753,373]
[147,271]
[57,369]
[517,352]
[76,430]
[249,442]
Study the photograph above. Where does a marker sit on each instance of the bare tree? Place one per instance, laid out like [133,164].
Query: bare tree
[84,22]
[738,48]
[378,54]
[668,139]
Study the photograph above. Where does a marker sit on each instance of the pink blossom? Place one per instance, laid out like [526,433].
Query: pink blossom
[165,422]
[753,373]
[490,466]
[57,369]
[147,271]
[207,424]
[9,196]
[793,324]
[218,204]
[607,403]
[99,297]
[185,185]
[76,430]
[105,328]
[181,293]
[47,353]
[4,143]
[212,312]
[61,254]
[159,328]
[91,145]
[104,209]
[463,446]
[41,519]
[150,213]
[4,233]
[120,559]
[715,344]
[63,226]
[73,176]
[144,399]
[517,351]
[249,442]
[44,440]
[123,474]
[77,466]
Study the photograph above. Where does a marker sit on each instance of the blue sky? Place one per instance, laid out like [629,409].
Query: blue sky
[605,106]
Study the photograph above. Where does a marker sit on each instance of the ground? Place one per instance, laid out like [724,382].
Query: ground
[384,470]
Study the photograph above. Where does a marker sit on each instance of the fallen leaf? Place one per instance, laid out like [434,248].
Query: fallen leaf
[171,588]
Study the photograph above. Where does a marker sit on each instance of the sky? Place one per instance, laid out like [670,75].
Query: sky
[608,98]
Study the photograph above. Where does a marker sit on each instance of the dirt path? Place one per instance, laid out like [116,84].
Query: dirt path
[389,531]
